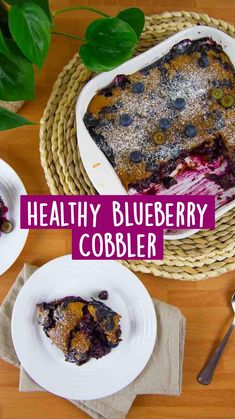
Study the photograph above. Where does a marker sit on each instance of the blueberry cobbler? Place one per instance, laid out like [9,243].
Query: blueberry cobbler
[80,329]
[172,120]
[6,225]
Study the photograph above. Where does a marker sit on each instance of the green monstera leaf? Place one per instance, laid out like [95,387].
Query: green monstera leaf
[25,39]
[17,76]
[30,28]
[3,46]
[44,4]
[135,17]
[9,120]
[110,42]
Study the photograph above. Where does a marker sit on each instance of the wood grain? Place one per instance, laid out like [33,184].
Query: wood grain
[204,304]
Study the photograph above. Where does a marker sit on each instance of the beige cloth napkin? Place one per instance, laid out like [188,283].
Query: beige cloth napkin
[162,375]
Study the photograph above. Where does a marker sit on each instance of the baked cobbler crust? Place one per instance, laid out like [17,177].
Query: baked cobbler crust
[146,123]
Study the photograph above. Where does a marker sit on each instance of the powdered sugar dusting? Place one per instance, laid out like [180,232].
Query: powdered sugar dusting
[174,76]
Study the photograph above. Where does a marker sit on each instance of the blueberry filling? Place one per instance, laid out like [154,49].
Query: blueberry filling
[120,81]
[227,180]
[168,181]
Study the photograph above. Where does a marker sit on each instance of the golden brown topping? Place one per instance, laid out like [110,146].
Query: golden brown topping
[60,333]
[112,334]
[76,308]
[80,342]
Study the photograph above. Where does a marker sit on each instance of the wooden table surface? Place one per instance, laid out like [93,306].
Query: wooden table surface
[205,304]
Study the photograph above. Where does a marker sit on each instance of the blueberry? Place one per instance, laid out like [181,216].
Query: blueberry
[215,119]
[144,71]
[121,81]
[181,47]
[226,83]
[152,95]
[190,131]
[151,166]
[99,138]
[90,121]
[215,83]
[227,66]
[103,295]
[168,181]
[210,130]
[107,92]
[105,147]
[163,71]
[136,156]
[125,120]
[179,104]
[108,151]
[203,61]
[138,87]
[164,123]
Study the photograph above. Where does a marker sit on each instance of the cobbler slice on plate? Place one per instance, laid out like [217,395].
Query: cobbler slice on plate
[80,329]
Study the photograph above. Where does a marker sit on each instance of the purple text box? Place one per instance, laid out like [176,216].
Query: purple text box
[108,213]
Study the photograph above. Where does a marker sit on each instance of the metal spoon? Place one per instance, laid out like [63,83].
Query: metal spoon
[207,372]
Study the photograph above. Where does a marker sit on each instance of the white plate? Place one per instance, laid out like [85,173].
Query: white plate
[97,378]
[102,175]
[11,245]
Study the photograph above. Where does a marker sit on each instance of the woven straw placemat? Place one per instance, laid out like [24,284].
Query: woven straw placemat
[207,253]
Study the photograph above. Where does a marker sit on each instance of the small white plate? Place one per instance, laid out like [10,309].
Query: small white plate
[97,378]
[99,170]
[11,188]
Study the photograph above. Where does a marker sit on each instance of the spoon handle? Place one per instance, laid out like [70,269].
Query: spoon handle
[206,374]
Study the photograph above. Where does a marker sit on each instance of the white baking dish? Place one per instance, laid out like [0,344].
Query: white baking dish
[99,170]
